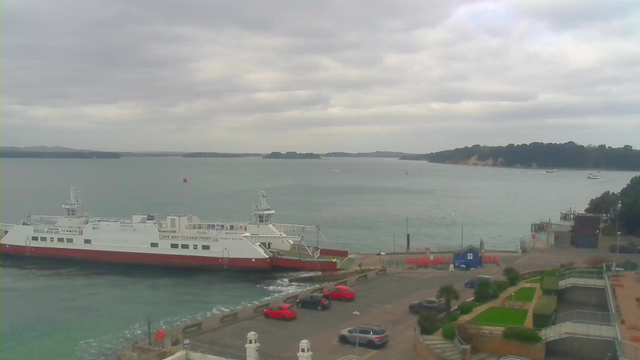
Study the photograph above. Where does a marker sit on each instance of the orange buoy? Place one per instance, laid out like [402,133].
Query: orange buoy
[159,334]
[184,180]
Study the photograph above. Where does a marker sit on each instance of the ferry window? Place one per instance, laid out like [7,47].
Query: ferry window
[59,239]
[231,227]
[184,246]
[69,240]
[34,238]
[206,247]
[62,240]
[173,222]
[195,247]
[43,238]
[154,244]
[87,241]
[51,238]
[174,246]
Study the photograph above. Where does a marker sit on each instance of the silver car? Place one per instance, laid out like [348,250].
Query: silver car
[366,335]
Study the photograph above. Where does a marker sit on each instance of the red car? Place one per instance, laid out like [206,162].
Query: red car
[287,312]
[343,293]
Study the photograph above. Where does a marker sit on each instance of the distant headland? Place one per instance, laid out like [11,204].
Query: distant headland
[220,155]
[55,152]
[291,155]
[539,155]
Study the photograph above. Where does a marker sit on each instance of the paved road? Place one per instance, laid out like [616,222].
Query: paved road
[382,301]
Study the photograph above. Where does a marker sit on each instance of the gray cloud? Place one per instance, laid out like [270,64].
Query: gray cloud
[285,75]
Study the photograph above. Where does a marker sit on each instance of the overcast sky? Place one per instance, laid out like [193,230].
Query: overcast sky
[414,76]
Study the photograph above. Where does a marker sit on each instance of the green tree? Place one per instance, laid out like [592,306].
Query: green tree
[448,293]
[630,207]
[512,275]
[485,291]
[605,204]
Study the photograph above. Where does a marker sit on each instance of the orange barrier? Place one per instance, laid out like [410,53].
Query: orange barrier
[425,262]
[491,259]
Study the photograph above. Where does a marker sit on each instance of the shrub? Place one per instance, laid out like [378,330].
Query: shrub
[449,331]
[552,272]
[512,275]
[521,334]
[452,317]
[550,285]
[466,307]
[485,291]
[543,311]
[501,285]
[629,265]
[428,322]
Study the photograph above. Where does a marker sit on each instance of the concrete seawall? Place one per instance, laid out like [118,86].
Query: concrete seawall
[331,276]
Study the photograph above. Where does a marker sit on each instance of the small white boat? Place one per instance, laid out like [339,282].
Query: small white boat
[551,171]
[593,176]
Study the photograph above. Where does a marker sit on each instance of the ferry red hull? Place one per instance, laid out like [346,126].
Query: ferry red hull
[160,260]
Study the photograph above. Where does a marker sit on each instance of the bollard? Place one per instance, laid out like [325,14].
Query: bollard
[185,347]
[252,346]
[305,350]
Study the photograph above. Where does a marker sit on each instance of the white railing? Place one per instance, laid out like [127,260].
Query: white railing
[571,281]
[578,329]
[293,227]
[582,316]
[626,350]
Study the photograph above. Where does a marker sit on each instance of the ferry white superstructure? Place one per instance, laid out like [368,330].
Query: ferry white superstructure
[173,240]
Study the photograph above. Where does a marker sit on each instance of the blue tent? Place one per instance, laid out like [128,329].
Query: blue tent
[469,257]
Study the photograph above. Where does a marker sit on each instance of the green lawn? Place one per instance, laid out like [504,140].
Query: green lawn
[534,281]
[499,316]
[525,293]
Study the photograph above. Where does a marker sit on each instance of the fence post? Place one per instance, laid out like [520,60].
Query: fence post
[305,350]
[252,346]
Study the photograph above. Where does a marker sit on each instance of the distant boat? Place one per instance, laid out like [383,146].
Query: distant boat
[594,176]
[552,171]
[407,173]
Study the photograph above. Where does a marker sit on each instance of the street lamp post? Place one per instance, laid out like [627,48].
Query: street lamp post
[461,232]
[617,232]
[357,333]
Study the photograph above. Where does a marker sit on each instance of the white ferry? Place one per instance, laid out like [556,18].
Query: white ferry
[594,176]
[172,240]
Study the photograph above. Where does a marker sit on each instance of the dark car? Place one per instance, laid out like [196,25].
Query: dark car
[427,305]
[314,302]
[628,248]
[371,336]
[472,283]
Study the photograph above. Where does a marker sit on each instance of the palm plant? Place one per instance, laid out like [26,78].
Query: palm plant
[448,293]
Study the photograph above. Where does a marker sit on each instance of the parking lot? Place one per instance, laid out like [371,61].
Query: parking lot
[382,301]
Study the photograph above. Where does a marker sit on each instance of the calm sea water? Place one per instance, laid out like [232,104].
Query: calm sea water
[53,310]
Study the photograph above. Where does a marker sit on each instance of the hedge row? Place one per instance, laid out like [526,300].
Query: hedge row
[544,310]
[521,334]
